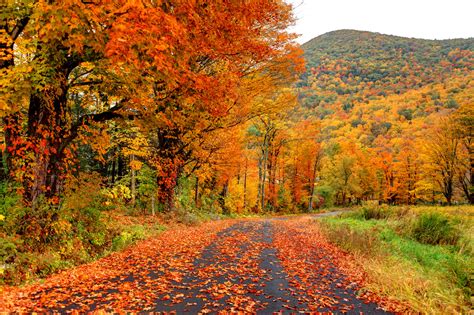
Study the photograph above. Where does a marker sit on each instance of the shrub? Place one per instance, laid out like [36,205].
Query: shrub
[129,236]
[122,240]
[9,199]
[326,194]
[8,250]
[376,212]
[435,228]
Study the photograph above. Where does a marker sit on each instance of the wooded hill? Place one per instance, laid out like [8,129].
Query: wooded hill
[387,102]
[373,64]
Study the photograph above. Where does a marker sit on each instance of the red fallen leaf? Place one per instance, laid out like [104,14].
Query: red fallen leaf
[166,298]
[218,297]
[288,306]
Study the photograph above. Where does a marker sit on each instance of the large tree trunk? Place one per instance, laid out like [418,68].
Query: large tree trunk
[166,181]
[168,157]
[48,137]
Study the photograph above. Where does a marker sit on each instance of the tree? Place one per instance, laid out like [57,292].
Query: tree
[340,171]
[56,51]
[443,150]
[464,124]
[81,63]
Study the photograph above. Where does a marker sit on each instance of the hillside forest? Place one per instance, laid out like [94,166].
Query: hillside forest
[161,107]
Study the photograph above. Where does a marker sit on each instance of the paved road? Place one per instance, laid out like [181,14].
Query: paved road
[255,266]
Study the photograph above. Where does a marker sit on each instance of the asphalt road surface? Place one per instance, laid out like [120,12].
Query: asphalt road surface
[262,266]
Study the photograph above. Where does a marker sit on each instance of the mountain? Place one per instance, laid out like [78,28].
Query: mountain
[389,111]
[353,75]
[364,65]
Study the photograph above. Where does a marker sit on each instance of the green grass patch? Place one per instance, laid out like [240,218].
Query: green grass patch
[131,234]
[433,247]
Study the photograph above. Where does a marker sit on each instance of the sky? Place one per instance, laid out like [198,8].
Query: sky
[429,19]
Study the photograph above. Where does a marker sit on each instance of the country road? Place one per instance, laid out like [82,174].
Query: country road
[258,266]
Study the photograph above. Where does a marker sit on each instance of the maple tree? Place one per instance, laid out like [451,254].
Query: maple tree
[83,63]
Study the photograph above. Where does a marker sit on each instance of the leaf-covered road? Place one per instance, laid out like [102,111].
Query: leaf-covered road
[254,266]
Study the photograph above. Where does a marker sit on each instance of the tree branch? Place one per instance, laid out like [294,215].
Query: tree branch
[109,114]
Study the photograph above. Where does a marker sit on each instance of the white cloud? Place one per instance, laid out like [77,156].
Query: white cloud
[435,19]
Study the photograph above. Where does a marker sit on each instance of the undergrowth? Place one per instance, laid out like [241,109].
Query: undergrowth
[55,237]
[90,223]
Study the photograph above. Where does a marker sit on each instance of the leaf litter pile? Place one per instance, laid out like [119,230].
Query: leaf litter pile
[238,266]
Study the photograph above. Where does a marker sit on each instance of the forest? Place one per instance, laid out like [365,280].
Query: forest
[119,108]
[396,116]
[120,116]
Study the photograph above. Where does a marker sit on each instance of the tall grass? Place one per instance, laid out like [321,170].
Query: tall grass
[419,257]
[435,228]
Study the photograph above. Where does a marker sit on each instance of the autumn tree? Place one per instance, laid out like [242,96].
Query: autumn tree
[132,59]
[443,151]
[216,94]
[464,124]
[57,80]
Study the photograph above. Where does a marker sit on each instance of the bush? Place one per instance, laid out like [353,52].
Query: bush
[8,250]
[435,228]
[376,212]
[129,236]
[326,195]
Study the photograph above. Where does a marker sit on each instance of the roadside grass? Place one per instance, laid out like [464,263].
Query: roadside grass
[419,255]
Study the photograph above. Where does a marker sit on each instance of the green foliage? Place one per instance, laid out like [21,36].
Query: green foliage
[185,192]
[147,187]
[129,236]
[8,201]
[8,250]
[435,228]
[326,193]
[451,103]
[406,112]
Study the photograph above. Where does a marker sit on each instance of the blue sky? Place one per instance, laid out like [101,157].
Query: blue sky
[435,19]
